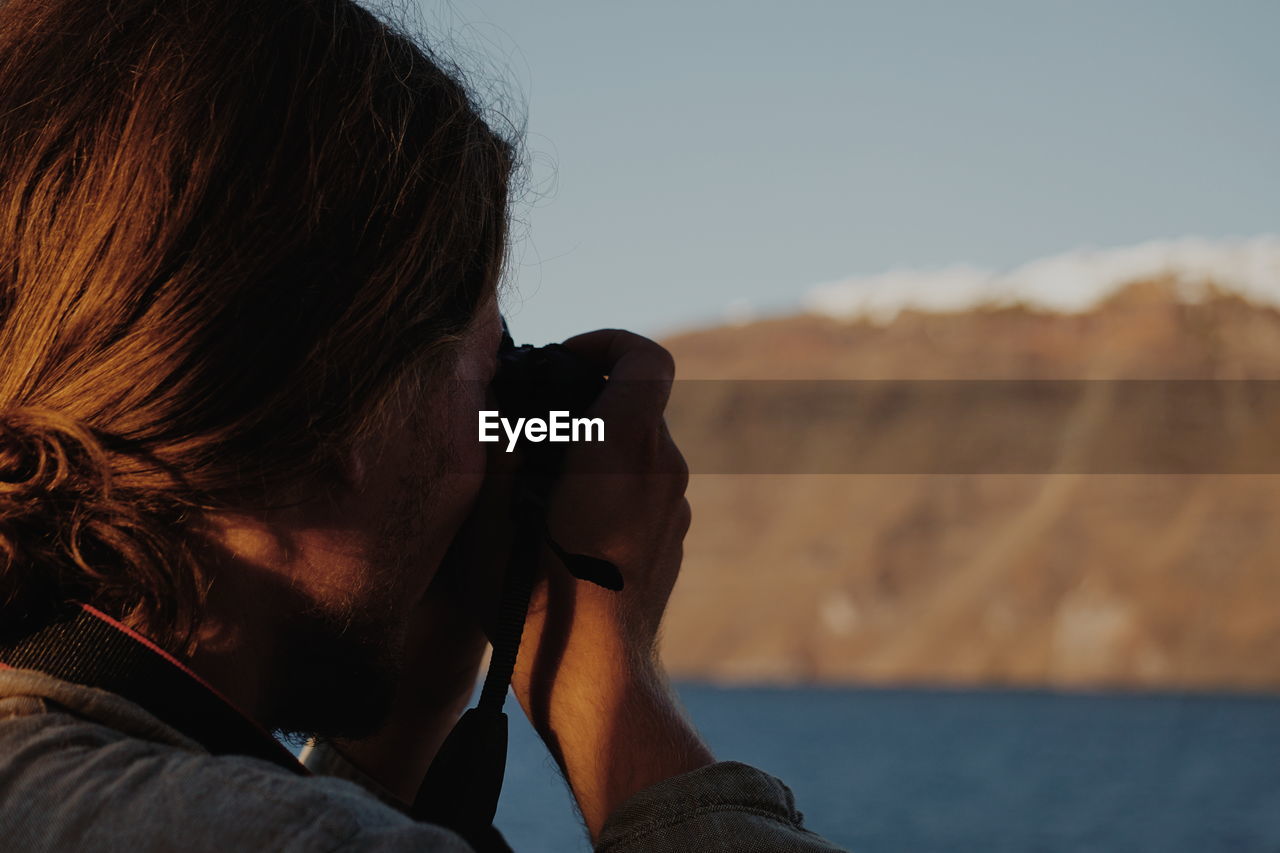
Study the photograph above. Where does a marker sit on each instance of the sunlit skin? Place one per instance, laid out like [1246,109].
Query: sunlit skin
[587,674]
[332,552]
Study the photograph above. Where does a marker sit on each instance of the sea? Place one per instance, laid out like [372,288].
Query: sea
[887,771]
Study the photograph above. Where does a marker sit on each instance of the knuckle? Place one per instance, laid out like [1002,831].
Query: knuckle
[665,361]
[683,518]
[679,471]
[675,462]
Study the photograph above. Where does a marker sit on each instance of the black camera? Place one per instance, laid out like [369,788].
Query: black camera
[534,381]
[462,787]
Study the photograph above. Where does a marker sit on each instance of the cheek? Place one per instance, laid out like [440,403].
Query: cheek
[438,487]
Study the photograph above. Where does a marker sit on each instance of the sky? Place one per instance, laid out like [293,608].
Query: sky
[690,161]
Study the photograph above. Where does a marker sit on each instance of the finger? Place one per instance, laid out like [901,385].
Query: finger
[627,355]
[638,368]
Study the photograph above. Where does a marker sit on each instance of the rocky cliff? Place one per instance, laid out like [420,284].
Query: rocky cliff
[1047,577]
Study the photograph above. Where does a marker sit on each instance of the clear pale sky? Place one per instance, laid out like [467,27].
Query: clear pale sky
[691,155]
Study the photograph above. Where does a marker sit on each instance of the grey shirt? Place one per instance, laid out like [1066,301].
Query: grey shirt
[86,770]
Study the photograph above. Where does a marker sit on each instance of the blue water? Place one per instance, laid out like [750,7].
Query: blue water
[892,770]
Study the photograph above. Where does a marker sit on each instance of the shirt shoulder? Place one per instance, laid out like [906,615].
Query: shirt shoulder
[67,783]
[724,807]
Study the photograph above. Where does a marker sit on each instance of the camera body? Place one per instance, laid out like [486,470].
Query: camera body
[462,787]
[533,381]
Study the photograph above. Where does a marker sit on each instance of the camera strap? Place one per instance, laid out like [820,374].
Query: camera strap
[463,784]
[89,648]
[462,787]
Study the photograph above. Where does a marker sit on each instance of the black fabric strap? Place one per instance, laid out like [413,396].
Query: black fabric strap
[91,649]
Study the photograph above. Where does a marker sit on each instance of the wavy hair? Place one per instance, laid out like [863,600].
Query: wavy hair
[227,230]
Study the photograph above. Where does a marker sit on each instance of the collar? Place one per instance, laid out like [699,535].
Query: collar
[90,649]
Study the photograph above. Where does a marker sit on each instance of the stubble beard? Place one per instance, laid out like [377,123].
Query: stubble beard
[345,661]
[342,673]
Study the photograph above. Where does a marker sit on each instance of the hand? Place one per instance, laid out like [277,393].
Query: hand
[587,675]
[636,520]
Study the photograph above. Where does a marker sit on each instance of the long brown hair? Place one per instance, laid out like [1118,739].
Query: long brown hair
[226,231]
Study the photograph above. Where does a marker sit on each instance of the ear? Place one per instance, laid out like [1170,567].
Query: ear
[353,467]
[358,462]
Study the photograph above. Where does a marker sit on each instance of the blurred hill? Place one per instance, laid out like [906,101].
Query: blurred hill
[1061,579]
